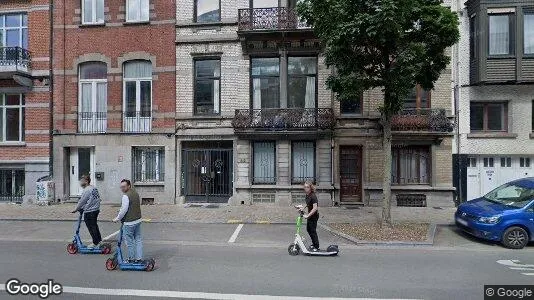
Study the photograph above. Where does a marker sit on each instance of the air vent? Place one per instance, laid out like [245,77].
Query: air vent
[411,200]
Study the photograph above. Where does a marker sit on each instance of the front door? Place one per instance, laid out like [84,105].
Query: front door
[81,163]
[350,173]
[207,175]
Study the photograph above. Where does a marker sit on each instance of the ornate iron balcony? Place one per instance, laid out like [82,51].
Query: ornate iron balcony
[284,119]
[272,18]
[15,57]
[430,120]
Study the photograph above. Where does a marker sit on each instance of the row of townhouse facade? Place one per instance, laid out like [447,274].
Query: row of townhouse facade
[225,101]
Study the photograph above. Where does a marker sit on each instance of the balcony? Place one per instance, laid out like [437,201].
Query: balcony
[137,121]
[296,122]
[92,122]
[270,19]
[422,122]
[13,61]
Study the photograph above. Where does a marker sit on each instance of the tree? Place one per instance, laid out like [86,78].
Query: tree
[388,44]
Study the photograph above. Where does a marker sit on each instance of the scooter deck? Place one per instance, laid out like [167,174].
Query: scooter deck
[321,253]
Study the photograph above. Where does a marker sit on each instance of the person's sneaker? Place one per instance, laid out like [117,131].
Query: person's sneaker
[313,249]
[92,246]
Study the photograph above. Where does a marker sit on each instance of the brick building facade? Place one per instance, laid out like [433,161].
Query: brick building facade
[24,97]
[114,104]
[255,120]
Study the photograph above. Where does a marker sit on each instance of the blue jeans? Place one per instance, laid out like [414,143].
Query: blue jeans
[134,241]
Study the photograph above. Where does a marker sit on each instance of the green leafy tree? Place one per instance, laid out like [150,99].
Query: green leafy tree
[387,44]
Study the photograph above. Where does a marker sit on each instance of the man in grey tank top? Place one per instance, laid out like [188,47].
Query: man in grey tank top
[130,216]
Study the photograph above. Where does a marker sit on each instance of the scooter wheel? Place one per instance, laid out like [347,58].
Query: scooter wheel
[293,249]
[72,248]
[106,249]
[111,264]
[150,265]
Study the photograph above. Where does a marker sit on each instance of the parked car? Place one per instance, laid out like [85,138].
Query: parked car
[505,214]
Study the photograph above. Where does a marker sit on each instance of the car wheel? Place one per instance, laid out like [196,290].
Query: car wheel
[515,238]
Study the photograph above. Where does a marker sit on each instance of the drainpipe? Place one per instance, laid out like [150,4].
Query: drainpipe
[457,106]
[332,178]
[51,85]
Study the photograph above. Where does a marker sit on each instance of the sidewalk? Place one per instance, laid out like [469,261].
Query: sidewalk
[232,214]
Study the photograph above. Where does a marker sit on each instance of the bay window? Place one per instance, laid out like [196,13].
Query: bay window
[12,117]
[137,96]
[528,29]
[501,37]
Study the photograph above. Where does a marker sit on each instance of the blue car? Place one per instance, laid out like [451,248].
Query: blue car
[504,215]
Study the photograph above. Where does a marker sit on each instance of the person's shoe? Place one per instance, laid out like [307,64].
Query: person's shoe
[313,249]
[92,246]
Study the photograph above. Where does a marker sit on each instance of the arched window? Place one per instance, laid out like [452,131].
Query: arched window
[137,95]
[93,96]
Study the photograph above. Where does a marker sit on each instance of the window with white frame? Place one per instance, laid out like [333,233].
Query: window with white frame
[303,161]
[471,162]
[11,117]
[506,162]
[14,30]
[148,164]
[93,87]
[137,10]
[264,162]
[92,11]
[524,162]
[137,95]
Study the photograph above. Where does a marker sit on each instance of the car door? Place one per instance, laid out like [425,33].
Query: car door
[530,220]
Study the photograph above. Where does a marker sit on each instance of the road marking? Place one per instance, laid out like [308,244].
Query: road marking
[235,234]
[514,264]
[187,295]
[107,238]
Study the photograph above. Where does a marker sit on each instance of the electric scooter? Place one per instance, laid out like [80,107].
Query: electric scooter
[77,245]
[117,260]
[299,246]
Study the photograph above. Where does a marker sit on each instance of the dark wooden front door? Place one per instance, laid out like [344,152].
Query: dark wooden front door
[350,166]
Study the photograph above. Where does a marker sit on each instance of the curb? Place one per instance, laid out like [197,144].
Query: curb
[429,240]
[259,222]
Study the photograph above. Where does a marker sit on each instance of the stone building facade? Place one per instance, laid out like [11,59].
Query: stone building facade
[255,120]
[24,97]
[114,97]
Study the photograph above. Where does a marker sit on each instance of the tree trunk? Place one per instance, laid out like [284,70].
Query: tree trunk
[386,184]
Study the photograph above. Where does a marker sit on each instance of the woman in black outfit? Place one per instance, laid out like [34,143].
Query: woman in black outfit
[313,214]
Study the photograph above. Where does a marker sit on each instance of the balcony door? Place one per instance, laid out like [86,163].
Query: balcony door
[137,96]
[92,115]
[82,161]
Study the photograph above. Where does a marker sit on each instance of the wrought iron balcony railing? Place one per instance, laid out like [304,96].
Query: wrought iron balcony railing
[92,122]
[137,121]
[431,120]
[284,119]
[272,18]
[15,57]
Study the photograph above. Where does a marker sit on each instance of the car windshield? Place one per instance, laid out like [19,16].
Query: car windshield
[511,194]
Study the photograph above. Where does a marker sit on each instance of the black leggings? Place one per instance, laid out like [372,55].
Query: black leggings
[92,226]
[311,227]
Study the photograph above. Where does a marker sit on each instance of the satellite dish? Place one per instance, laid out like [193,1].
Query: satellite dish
[24,81]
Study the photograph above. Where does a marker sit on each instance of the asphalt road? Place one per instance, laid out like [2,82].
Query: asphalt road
[198,261]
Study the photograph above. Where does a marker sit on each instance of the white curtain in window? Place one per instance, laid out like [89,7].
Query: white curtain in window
[499,34]
[216,90]
[99,11]
[303,161]
[310,92]
[256,97]
[529,33]
[87,103]
[138,69]
[264,161]
[101,97]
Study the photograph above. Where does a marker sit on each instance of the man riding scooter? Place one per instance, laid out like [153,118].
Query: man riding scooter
[89,205]
[130,215]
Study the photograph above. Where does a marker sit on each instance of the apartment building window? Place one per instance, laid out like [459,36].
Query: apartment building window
[264,162]
[137,10]
[93,87]
[528,29]
[488,162]
[207,11]
[93,11]
[148,164]
[506,162]
[418,98]
[265,74]
[207,86]
[351,107]
[489,116]
[410,165]
[14,30]
[524,162]
[11,117]
[501,37]
[302,161]
[11,185]
[302,81]
[137,95]
[473,37]
[471,162]
[264,3]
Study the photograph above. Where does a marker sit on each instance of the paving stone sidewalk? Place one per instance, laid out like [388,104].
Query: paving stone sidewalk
[231,214]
